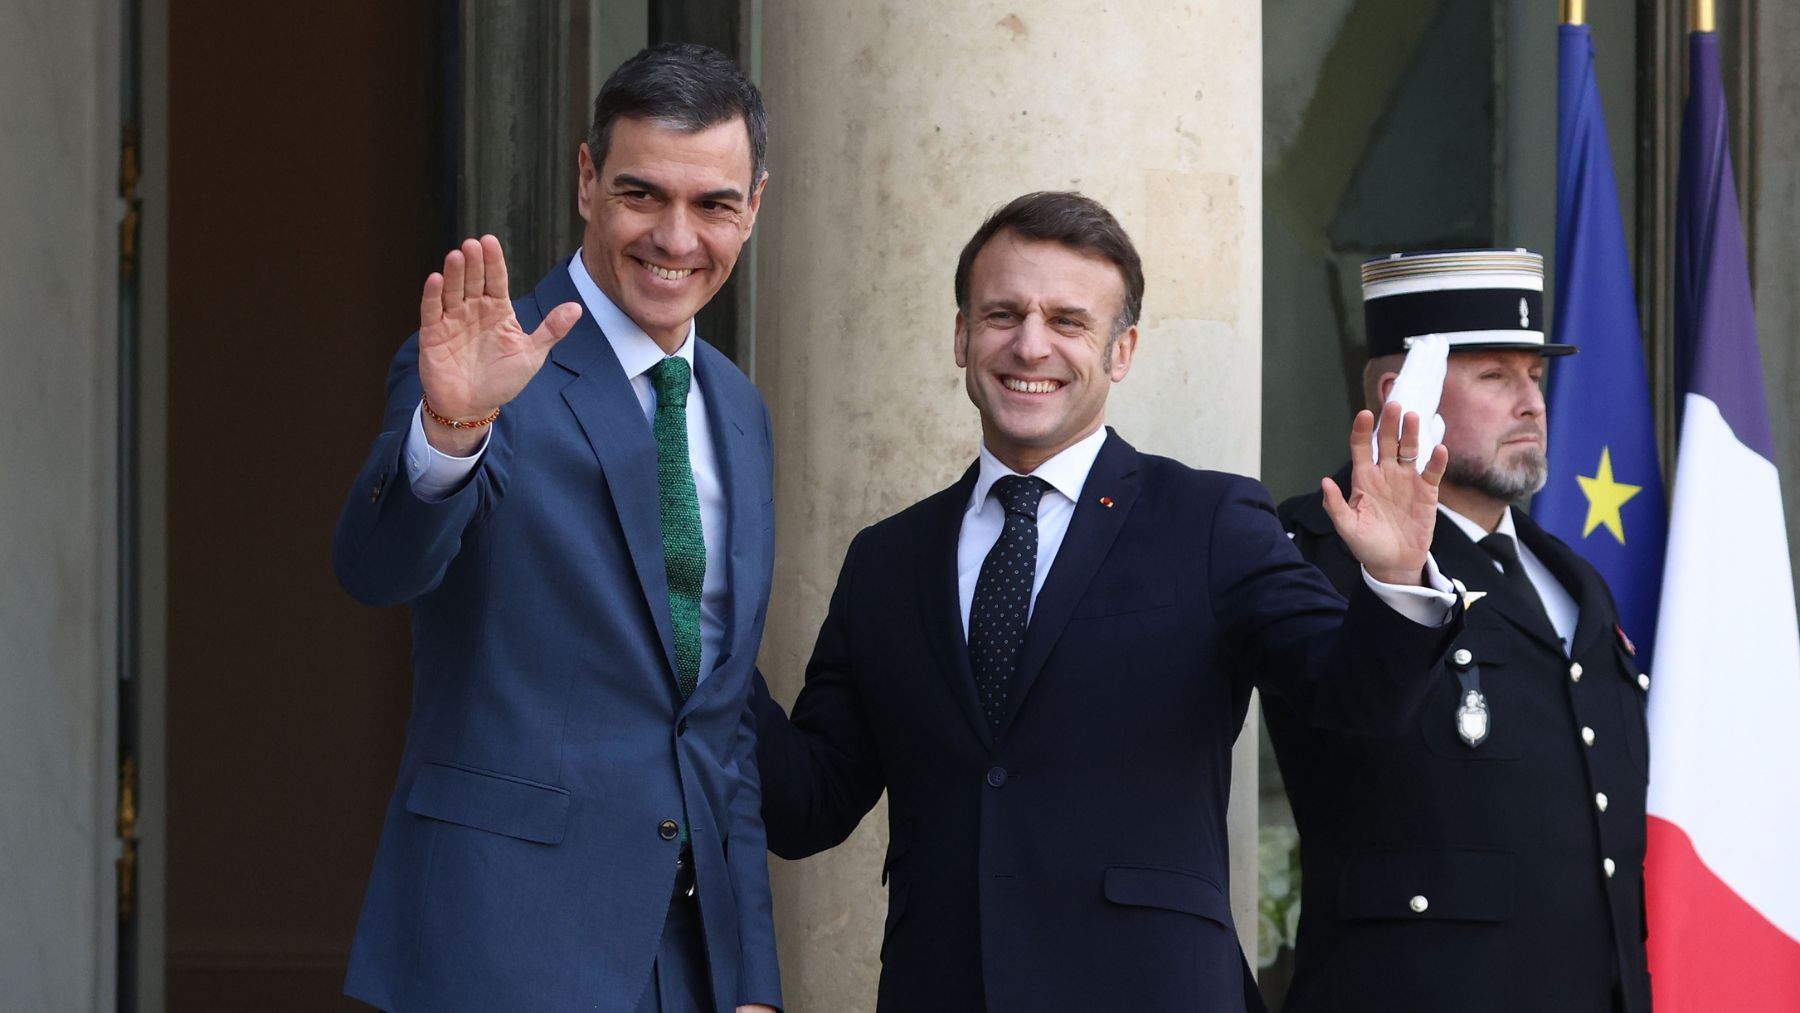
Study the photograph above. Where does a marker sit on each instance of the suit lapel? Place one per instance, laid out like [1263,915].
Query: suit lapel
[1560,560]
[731,418]
[1459,557]
[1093,528]
[941,600]
[613,422]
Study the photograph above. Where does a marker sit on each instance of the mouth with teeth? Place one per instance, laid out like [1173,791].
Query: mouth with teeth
[665,273]
[1017,385]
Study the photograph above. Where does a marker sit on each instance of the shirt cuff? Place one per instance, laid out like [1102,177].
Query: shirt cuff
[433,473]
[1430,605]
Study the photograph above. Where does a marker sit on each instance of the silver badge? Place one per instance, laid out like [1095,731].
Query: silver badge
[1472,718]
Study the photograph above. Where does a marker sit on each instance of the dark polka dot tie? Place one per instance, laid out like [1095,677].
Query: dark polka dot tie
[1002,601]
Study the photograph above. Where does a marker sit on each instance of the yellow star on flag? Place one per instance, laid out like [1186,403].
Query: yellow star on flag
[1605,497]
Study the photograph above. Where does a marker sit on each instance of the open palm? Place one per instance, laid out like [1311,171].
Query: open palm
[473,355]
[1388,521]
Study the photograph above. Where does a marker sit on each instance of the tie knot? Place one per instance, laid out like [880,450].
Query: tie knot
[1501,547]
[1019,494]
[670,378]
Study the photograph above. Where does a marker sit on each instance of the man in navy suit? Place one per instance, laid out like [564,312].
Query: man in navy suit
[1045,664]
[573,494]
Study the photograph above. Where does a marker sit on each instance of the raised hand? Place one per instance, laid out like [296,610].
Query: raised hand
[1389,518]
[473,355]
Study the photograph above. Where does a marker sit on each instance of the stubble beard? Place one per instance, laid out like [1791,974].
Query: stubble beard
[1509,483]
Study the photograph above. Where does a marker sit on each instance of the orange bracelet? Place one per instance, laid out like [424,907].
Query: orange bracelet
[425,403]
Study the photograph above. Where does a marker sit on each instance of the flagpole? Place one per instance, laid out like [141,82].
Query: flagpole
[1700,16]
[1574,12]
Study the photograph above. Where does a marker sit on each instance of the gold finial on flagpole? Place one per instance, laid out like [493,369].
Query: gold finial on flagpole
[1700,16]
[1574,12]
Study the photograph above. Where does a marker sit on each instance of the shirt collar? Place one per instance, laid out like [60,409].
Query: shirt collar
[1476,532]
[636,350]
[1065,473]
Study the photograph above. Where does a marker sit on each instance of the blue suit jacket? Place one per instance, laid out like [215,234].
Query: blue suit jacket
[1076,859]
[522,864]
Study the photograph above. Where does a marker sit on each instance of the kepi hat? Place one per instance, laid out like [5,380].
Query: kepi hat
[1477,299]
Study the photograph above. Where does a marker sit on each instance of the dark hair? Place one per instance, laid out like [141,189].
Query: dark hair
[683,85]
[1077,222]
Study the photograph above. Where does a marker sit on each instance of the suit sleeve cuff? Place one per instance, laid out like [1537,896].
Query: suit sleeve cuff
[433,473]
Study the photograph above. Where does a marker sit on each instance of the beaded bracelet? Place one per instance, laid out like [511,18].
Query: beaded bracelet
[425,403]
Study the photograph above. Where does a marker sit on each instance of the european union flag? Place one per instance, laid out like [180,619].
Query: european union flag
[1605,494]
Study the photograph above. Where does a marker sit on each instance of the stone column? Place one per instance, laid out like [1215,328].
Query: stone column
[895,127]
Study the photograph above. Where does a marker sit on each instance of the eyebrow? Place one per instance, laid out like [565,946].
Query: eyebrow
[627,181]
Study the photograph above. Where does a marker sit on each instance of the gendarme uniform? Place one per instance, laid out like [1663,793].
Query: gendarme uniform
[1490,858]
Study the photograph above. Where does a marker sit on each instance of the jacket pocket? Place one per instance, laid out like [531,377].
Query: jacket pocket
[491,801]
[1168,889]
[1472,886]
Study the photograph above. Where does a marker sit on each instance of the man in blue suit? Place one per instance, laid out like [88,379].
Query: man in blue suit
[573,493]
[1045,664]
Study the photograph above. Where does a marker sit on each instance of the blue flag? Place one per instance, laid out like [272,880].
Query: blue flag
[1604,496]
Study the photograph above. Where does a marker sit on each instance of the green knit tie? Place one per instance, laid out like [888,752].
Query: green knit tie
[684,543]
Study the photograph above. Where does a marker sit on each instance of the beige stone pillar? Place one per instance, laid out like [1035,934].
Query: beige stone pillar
[895,127]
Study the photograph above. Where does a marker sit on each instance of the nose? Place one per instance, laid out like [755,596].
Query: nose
[1032,342]
[675,233]
[1531,400]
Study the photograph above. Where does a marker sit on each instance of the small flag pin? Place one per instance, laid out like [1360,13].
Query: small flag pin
[1106,501]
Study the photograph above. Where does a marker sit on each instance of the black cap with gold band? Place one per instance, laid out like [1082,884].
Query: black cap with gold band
[1477,299]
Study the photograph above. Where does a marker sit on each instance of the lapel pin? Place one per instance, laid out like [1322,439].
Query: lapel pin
[1625,641]
[1106,501]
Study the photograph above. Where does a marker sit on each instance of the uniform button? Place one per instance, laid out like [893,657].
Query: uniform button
[1600,801]
[1609,867]
[1587,735]
[1462,656]
[667,830]
[996,776]
[1644,682]
[1575,672]
[1418,904]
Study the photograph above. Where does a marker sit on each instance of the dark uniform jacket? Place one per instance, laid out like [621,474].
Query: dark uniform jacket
[1075,859]
[1444,877]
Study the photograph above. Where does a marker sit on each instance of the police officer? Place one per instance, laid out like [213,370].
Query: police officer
[1491,857]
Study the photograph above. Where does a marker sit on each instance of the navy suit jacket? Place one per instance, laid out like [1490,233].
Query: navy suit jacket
[523,863]
[1076,859]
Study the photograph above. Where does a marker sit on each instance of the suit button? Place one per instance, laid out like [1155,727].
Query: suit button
[996,776]
[1418,904]
[1462,657]
[1587,736]
[1600,801]
[681,729]
[667,830]
[1644,682]
[1609,867]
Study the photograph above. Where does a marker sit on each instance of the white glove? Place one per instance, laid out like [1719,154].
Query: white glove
[1418,389]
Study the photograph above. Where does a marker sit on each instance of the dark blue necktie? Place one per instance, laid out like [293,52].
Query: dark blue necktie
[1002,602]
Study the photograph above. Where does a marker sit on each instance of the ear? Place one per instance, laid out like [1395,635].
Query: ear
[756,193]
[587,180]
[961,342]
[1385,386]
[1124,347]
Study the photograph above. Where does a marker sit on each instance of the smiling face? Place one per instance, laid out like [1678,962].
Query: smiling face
[1038,346]
[1494,427]
[667,215]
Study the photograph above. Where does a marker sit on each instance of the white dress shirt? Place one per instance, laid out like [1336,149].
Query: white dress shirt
[1066,473]
[435,474]
[1558,604]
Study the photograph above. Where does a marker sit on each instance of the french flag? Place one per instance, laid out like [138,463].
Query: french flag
[1722,876]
